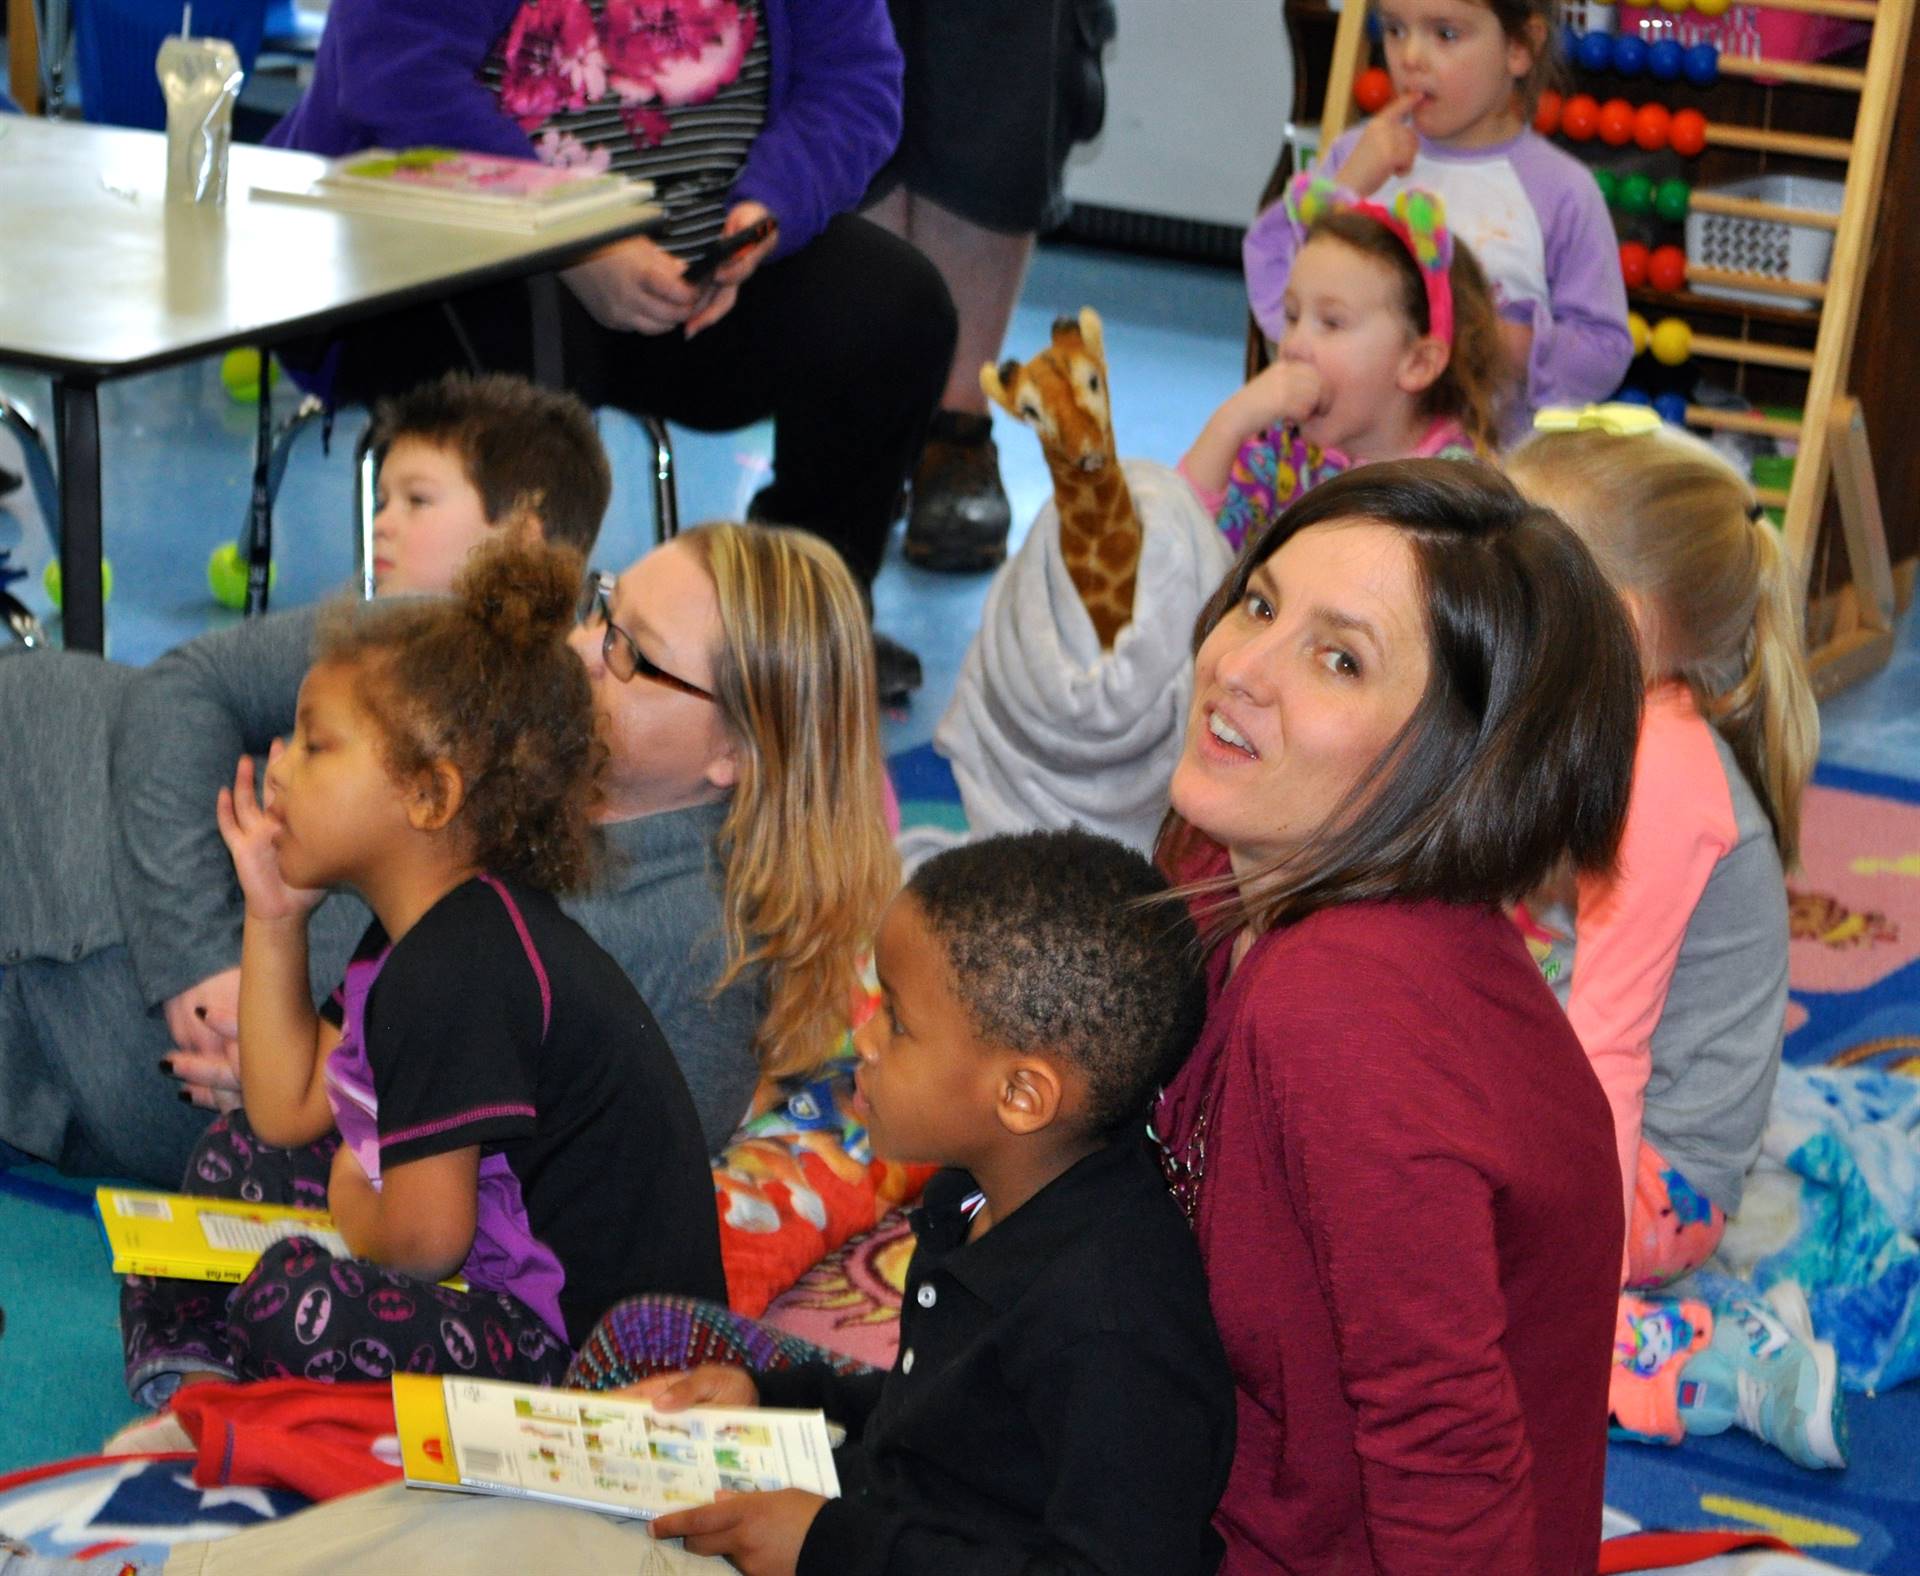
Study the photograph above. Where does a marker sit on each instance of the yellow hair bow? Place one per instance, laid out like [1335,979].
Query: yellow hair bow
[1615,417]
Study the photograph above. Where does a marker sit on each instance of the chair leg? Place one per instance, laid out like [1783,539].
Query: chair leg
[666,503]
[310,410]
[39,462]
[365,506]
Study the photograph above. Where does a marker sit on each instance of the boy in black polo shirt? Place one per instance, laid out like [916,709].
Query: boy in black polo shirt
[1060,1396]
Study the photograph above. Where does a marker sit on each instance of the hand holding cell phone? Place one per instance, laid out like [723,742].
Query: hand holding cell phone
[727,247]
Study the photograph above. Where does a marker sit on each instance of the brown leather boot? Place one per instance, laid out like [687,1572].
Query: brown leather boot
[960,516]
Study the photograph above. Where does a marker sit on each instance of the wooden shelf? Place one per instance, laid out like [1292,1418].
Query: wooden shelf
[1744,117]
[1677,302]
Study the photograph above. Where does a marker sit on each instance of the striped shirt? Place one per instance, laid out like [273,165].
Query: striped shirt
[692,152]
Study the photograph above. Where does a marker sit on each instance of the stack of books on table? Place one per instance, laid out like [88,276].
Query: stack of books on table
[442,185]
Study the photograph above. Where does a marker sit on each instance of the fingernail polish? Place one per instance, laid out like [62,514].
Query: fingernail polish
[183,1097]
[166,1065]
[200,1013]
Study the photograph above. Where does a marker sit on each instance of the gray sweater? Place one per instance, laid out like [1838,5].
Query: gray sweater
[110,838]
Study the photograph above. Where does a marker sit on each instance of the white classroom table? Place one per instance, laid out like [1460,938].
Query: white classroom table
[101,277]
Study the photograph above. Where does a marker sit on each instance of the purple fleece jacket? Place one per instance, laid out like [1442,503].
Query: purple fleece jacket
[405,73]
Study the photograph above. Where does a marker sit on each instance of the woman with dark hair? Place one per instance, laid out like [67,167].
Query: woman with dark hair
[1414,698]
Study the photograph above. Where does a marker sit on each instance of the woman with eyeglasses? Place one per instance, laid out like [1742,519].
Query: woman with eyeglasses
[732,667]
[748,857]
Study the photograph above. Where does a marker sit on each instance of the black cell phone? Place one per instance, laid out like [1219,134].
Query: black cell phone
[728,247]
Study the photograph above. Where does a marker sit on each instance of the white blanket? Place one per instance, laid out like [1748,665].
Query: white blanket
[1047,730]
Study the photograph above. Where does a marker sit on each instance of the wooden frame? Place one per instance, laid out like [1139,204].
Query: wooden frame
[1833,448]
[23,55]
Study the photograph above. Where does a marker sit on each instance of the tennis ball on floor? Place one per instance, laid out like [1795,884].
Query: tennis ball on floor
[227,575]
[240,372]
[50,578]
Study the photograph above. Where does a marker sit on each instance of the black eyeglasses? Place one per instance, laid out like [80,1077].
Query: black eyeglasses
[622,656]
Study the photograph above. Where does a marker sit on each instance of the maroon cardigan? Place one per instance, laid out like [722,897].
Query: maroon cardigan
[1410,1217]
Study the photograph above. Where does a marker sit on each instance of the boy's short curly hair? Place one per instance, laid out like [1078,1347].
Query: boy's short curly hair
[1055,944]
[523,448]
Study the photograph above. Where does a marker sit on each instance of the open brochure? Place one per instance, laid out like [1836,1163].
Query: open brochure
[604,1452]
[448,186]
[211,1239]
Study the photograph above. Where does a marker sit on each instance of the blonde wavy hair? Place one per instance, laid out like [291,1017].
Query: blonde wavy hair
[1678,531]
[809,865]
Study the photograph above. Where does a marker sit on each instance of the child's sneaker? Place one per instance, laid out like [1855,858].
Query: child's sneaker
[1765,1371]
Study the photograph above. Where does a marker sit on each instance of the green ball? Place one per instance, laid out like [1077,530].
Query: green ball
[1636,194]
[1609,185]
[1671,201]
[227,575]
[240,372]
[50,578]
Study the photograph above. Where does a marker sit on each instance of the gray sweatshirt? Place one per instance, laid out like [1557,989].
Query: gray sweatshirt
[110,838]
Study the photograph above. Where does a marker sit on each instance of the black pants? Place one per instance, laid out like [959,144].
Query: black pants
[302,1313]
[997,94]
[845,344]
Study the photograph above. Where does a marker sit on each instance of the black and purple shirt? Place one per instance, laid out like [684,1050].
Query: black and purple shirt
[497,1021]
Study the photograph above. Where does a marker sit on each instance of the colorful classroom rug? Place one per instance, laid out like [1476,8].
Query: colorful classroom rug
[1855,986]
[1856,1003]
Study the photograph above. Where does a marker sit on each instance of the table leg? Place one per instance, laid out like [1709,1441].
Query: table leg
[83,623]
[549,369]
[260,506]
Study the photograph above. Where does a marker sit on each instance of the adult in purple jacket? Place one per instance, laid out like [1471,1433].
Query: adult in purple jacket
[736,110]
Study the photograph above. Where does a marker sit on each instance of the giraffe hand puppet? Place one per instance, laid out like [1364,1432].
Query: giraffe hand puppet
[1062,394]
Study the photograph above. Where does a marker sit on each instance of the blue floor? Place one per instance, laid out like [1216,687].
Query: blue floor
[176,479]
[178,469]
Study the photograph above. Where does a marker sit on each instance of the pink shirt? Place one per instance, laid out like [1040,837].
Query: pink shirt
[1630,925]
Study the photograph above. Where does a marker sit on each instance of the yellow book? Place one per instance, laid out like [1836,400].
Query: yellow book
[210,1239]
[600,1451]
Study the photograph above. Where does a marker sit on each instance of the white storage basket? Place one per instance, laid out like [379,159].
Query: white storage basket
[1765,246]
[1590,16]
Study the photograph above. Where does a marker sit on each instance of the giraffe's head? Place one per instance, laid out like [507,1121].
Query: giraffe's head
[1061,393]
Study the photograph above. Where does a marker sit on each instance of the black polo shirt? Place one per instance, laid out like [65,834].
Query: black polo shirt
[1060,1401]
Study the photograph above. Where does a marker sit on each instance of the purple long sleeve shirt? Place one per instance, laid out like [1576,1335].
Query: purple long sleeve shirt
[1539,227]
[405,73]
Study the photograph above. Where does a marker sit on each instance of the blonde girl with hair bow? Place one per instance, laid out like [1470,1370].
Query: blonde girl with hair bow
[1677,980]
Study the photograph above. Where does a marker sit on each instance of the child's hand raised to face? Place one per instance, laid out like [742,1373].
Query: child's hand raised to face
[759,1534]
[1385,149]
[249,827]
[1286,391]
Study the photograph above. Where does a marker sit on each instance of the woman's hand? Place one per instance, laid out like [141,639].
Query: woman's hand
[710,1384]
[249,827]
[760,1534]
[634,286]
[736,271]
[204,1021]
[1385,149]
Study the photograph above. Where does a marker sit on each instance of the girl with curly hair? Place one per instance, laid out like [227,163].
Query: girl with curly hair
[485,1067]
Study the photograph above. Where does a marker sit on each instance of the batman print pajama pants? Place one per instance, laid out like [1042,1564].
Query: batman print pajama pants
[306,1314]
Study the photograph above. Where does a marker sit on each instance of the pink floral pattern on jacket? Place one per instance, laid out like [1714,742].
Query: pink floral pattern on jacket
[561,55]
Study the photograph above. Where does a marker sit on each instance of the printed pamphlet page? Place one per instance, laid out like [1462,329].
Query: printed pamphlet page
[604,1452]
